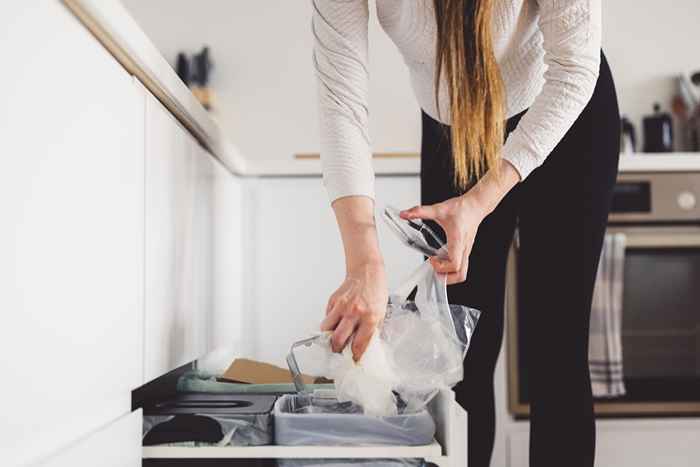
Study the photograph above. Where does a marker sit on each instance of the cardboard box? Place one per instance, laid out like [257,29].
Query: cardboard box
[243,370]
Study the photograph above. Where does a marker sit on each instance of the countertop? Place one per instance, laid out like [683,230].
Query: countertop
[114,27]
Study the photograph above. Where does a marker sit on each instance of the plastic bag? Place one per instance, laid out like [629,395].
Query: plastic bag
[420,347]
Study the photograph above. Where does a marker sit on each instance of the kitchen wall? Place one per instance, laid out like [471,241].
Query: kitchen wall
[266,87]
[648,43]
[264,78]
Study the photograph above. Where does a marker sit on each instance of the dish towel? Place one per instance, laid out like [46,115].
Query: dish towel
[605,338]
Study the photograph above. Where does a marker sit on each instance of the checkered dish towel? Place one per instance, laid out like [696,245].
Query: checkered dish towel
[605,338]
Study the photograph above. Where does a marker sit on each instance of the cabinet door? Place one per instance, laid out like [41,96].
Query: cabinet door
[115,445]
[71,198]
[297,258]
[229,220]
[179,179]
[202,250]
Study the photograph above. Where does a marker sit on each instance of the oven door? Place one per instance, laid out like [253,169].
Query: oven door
[660,325]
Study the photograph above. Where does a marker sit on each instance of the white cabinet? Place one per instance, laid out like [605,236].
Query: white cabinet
[178,231]
[115,445]
[71,201]
[229,220]
[629,443]
[296,258]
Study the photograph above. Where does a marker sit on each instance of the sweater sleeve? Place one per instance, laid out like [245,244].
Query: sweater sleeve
[340,58]
[571,30]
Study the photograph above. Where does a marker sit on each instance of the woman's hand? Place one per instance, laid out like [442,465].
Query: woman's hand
[357,307]
[359,304]
[460,218]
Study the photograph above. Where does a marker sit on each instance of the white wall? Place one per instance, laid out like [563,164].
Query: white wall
[648,43]
[264,77]
[266,87]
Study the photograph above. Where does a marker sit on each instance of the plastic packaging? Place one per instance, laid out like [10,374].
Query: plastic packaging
[308,420]
[419,349]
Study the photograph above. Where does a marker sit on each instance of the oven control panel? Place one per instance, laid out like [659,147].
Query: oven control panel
[659,197]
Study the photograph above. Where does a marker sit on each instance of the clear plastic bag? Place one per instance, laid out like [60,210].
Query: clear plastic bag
[419,349]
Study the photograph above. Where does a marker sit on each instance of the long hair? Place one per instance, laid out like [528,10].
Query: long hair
[465,56]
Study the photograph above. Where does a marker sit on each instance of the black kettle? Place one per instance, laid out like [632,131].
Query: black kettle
[658,131]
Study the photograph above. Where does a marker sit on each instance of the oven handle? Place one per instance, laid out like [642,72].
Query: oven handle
[649,237]
[659,237]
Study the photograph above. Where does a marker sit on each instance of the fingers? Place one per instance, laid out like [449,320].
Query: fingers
[456,255]
[419,212]
[362,336]
[342,333]
[331,320]
[459,276]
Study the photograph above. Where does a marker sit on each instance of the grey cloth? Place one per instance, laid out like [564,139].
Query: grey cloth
[605,339]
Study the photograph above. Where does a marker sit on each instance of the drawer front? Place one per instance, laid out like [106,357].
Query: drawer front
[71,198]
[116,445]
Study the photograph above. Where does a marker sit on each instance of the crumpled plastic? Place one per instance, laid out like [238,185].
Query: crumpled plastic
[420,347]
[418,351]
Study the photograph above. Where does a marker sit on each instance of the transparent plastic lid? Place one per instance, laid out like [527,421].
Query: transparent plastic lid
[415,233]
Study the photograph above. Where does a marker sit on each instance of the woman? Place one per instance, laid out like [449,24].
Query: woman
[529,71]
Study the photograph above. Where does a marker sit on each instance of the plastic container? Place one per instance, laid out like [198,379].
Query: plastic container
[210,419]
[305,420]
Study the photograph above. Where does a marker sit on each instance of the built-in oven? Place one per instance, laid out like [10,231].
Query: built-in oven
[659,215]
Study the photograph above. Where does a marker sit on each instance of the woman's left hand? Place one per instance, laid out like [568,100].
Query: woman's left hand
[460,218]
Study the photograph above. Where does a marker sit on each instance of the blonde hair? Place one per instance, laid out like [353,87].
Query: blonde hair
[477,97]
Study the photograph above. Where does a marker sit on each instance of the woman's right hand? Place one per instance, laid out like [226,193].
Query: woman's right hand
[357,308]
[359,304]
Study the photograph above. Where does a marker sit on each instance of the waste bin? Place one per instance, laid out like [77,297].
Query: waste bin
[210,419]
[302,419]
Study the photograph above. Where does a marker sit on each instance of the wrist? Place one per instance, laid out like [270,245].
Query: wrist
[491,189]
[371,261]
[474,203]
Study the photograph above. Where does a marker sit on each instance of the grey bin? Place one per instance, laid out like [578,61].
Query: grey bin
[294,427]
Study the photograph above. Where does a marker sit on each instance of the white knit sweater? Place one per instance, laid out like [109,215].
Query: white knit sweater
[548,52]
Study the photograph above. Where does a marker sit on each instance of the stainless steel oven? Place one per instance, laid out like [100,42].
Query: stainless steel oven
[659,213]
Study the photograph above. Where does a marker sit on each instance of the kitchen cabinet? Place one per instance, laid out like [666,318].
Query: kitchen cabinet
[178,231]
[71,198]
[228,259]
[297,257]
[115,445]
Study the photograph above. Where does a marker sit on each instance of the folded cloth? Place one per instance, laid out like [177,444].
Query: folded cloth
[605,338]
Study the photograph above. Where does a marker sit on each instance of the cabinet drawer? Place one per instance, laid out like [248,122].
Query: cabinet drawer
[71,198]
[116,445]
[448,449]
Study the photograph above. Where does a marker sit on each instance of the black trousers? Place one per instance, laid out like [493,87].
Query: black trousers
[561,211]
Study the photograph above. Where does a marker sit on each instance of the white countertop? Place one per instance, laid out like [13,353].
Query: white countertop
[112,24]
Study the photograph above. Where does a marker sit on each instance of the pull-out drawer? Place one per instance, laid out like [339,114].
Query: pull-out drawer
[448,449]
[115,445]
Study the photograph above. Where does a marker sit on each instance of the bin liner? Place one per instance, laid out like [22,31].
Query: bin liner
[308,420]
